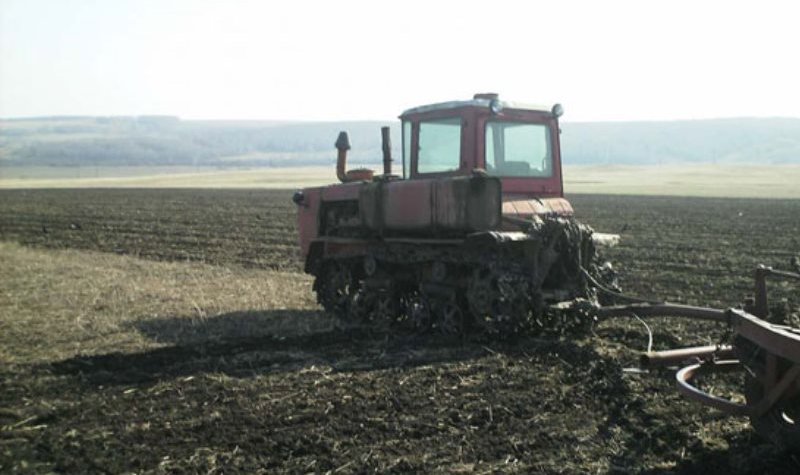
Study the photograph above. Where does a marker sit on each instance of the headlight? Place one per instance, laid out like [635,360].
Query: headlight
[496,106]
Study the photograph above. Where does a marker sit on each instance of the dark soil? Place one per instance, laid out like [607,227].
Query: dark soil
[353,400]
[241,228]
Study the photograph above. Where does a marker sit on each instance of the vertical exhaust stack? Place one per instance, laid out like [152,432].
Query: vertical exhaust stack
[342,146]
[386,142]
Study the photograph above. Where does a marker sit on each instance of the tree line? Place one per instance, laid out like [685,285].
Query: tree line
[168,141]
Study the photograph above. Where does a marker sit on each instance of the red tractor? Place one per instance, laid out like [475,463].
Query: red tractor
[476,231]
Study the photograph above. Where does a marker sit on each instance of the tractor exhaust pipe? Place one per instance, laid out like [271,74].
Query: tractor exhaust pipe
[386,142]
[342,146]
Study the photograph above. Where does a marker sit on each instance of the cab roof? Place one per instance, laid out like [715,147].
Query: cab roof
[480,100]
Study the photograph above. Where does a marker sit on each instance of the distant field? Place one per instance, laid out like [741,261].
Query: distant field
[44,173]
[164,177]
[700,180]
[724,181]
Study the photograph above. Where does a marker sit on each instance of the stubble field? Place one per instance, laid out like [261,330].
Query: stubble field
[162,331]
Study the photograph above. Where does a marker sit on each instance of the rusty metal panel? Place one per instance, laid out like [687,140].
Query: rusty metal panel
[484,203]
[343,192]
[448,204]
[307,218]
[431,205]
[467,203]
[369,205]
[407,205]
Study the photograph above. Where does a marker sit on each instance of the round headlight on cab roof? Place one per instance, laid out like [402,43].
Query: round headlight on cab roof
[496,106]
[558,110]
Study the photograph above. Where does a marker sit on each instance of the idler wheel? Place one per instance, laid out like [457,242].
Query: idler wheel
[370,265]
[481,292]
[379,306]
[415,312]
[387,307]
[335,288]
[362,305]
[448,317]
[499,302]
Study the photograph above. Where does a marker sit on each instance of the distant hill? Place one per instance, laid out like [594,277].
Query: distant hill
[169,141]
[721,141]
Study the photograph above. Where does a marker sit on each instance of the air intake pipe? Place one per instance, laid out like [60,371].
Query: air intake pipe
[345,176]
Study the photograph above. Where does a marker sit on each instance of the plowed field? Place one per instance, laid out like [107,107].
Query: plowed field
[163,331]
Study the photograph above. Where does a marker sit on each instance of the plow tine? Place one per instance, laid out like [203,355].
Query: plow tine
[685,376]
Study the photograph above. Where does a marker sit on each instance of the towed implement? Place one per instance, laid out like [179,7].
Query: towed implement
[763,345]
[475,232]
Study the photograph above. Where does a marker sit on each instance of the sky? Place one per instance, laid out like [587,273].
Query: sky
[351,60]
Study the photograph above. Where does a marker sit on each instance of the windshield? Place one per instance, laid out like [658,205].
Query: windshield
[516,149]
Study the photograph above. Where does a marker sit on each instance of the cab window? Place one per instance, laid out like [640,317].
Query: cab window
[515,149]
[439,145]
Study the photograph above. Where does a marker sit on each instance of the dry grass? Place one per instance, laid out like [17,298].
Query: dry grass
[54,305]
[285,178]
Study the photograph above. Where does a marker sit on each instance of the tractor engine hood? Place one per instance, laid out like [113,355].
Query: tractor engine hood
[525,207]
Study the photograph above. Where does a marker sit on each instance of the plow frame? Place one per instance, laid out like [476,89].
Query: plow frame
[778,377]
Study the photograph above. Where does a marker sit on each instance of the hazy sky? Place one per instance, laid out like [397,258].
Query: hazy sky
[331,60]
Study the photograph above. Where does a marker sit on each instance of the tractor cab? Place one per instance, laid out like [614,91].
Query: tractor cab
[517,143]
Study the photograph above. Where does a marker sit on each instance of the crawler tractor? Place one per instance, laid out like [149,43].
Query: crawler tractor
[475,232]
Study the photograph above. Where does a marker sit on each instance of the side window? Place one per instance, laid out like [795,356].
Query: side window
[406,148]
[439,145]
[518,149]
